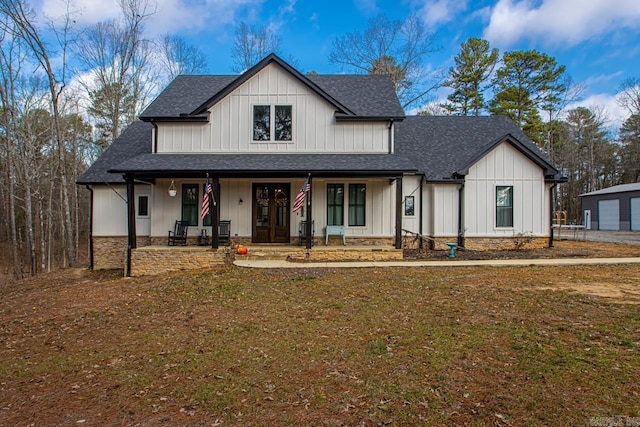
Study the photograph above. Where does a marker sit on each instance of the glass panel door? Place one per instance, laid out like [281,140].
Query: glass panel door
[281,214]
[271,213]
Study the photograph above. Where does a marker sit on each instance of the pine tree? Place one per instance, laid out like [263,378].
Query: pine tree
[473,67]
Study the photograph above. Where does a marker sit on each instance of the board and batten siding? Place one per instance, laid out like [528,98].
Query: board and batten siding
[379,220]
[230,126]
[506,166]
[444,205]
[422,205]
[165,210]
[109,210]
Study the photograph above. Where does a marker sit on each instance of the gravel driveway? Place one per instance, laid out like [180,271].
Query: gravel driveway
[601,236]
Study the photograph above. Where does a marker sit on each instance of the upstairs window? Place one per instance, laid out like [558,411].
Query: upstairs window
[261,122]
[276,128]
[283,123]
[504,206]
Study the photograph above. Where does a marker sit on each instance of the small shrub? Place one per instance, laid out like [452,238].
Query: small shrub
[523,239]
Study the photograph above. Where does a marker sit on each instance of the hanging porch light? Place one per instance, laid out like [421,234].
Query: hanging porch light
[172,189]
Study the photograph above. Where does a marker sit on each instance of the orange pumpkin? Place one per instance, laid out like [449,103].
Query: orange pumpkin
[242,250]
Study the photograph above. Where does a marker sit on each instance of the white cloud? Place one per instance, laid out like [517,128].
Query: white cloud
[560,22]
[285,12]
[183,15]
[170,15]
[614,113]
[84,12]
[436,11]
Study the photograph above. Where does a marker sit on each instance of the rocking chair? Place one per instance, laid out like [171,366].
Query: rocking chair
[179,234]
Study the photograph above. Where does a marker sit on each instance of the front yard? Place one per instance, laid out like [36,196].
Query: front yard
[412,346]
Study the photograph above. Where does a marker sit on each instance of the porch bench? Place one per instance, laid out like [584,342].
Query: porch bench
[335,230]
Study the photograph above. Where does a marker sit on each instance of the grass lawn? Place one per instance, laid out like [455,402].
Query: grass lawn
[494,346]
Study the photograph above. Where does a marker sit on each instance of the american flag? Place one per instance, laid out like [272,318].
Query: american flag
[208,194]
[297,204]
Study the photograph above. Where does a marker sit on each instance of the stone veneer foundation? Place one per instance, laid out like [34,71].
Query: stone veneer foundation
[476,243]
[153,256]
[152,260]
[492,243]
[109,252]
[487,243]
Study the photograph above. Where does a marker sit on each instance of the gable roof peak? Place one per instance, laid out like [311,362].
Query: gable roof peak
[262,64]
[351,96]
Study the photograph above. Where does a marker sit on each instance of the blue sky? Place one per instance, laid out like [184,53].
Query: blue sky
[597,40]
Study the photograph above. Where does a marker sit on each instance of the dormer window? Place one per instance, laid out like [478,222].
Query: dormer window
[281,123]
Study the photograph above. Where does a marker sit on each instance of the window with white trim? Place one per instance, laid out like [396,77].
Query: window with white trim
[143,206]
[409,209]
[504,206]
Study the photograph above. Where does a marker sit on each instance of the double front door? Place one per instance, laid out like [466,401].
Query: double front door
[271,206]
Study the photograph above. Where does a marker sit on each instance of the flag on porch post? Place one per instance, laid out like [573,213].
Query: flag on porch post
[299,201]
[208,194]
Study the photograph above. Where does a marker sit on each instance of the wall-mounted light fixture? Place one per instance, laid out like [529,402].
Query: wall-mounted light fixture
[240,201]
[172,189]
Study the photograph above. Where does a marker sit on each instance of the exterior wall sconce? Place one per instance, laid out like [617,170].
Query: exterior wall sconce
[172,189]
[240,201]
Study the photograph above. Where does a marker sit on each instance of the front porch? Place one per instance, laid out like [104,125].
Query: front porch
[158,259]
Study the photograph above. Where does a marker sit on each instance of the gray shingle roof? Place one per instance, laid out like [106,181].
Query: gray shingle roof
[184,94]
[435,146]
[135,140]
[364,95]
[234,164]
[442,146]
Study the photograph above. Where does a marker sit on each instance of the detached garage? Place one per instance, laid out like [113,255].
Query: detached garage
[615,208]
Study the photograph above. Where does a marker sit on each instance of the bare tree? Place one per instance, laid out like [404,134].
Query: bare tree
[586,154]
[117,57]
[22,26]
[178,57]
[396,48]
[251,44]
[10,60]
[629,95]
[630,151]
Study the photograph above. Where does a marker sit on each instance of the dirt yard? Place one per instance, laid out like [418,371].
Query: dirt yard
[495,346]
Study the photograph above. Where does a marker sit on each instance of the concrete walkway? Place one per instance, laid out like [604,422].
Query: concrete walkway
[443,263]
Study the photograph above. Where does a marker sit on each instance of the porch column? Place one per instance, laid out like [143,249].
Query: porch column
[461,241]
[131,211]
[215,214]
[551,216]
[398,238]
[309,217]
[131,221]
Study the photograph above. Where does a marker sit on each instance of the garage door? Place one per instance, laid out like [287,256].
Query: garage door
[609,214]
[635,214]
